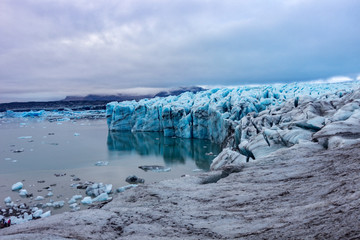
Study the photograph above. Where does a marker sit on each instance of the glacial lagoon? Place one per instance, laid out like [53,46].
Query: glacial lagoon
[60,154]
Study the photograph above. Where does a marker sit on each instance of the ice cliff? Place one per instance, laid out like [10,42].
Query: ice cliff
[243,118]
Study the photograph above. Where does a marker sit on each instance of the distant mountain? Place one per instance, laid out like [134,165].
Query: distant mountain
[179,91]
[127,97]
[89,102]
[94,97]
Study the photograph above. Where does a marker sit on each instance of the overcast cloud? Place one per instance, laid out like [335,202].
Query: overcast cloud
[53,48]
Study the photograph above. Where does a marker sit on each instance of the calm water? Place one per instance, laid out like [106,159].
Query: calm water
[73,148]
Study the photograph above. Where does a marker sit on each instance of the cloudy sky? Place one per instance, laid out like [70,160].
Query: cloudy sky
[53,48]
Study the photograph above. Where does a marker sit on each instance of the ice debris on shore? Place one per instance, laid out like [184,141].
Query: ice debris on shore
[23,192]
[39,198]
[74,199]
[124,188]
[96,189]
[7,200]
[86,200]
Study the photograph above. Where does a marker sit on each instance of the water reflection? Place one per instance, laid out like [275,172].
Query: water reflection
[172,150]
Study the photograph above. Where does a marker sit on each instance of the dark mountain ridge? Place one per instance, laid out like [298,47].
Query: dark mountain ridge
[89,102]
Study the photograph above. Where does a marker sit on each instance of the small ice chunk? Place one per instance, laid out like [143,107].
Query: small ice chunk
[23,192]
[97,188]
[197,170]
[17,186]
[73,205]
[7,159]
[76,134]
[108,188]
[39,198]
[101,163]
[102,197]
[86,200]
[25,137]
[37,213]
[27,216]
[58,204]
[49,204]
[46,214]
[74,198]
[7,200]
[50,194]
[124,188]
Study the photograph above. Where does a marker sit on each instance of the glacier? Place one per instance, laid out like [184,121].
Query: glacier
[54,115]
[218,114]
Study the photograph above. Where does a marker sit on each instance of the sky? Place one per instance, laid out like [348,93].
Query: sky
[53,48]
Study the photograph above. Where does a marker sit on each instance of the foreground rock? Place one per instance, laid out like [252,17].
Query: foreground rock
[302,192]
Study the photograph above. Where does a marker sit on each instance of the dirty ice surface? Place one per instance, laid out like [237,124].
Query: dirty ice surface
[48,158]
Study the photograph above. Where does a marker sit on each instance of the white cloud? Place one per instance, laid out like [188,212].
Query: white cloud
[335,79]
[90,45]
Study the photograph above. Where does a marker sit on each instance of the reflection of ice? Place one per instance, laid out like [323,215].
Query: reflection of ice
[173,150]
